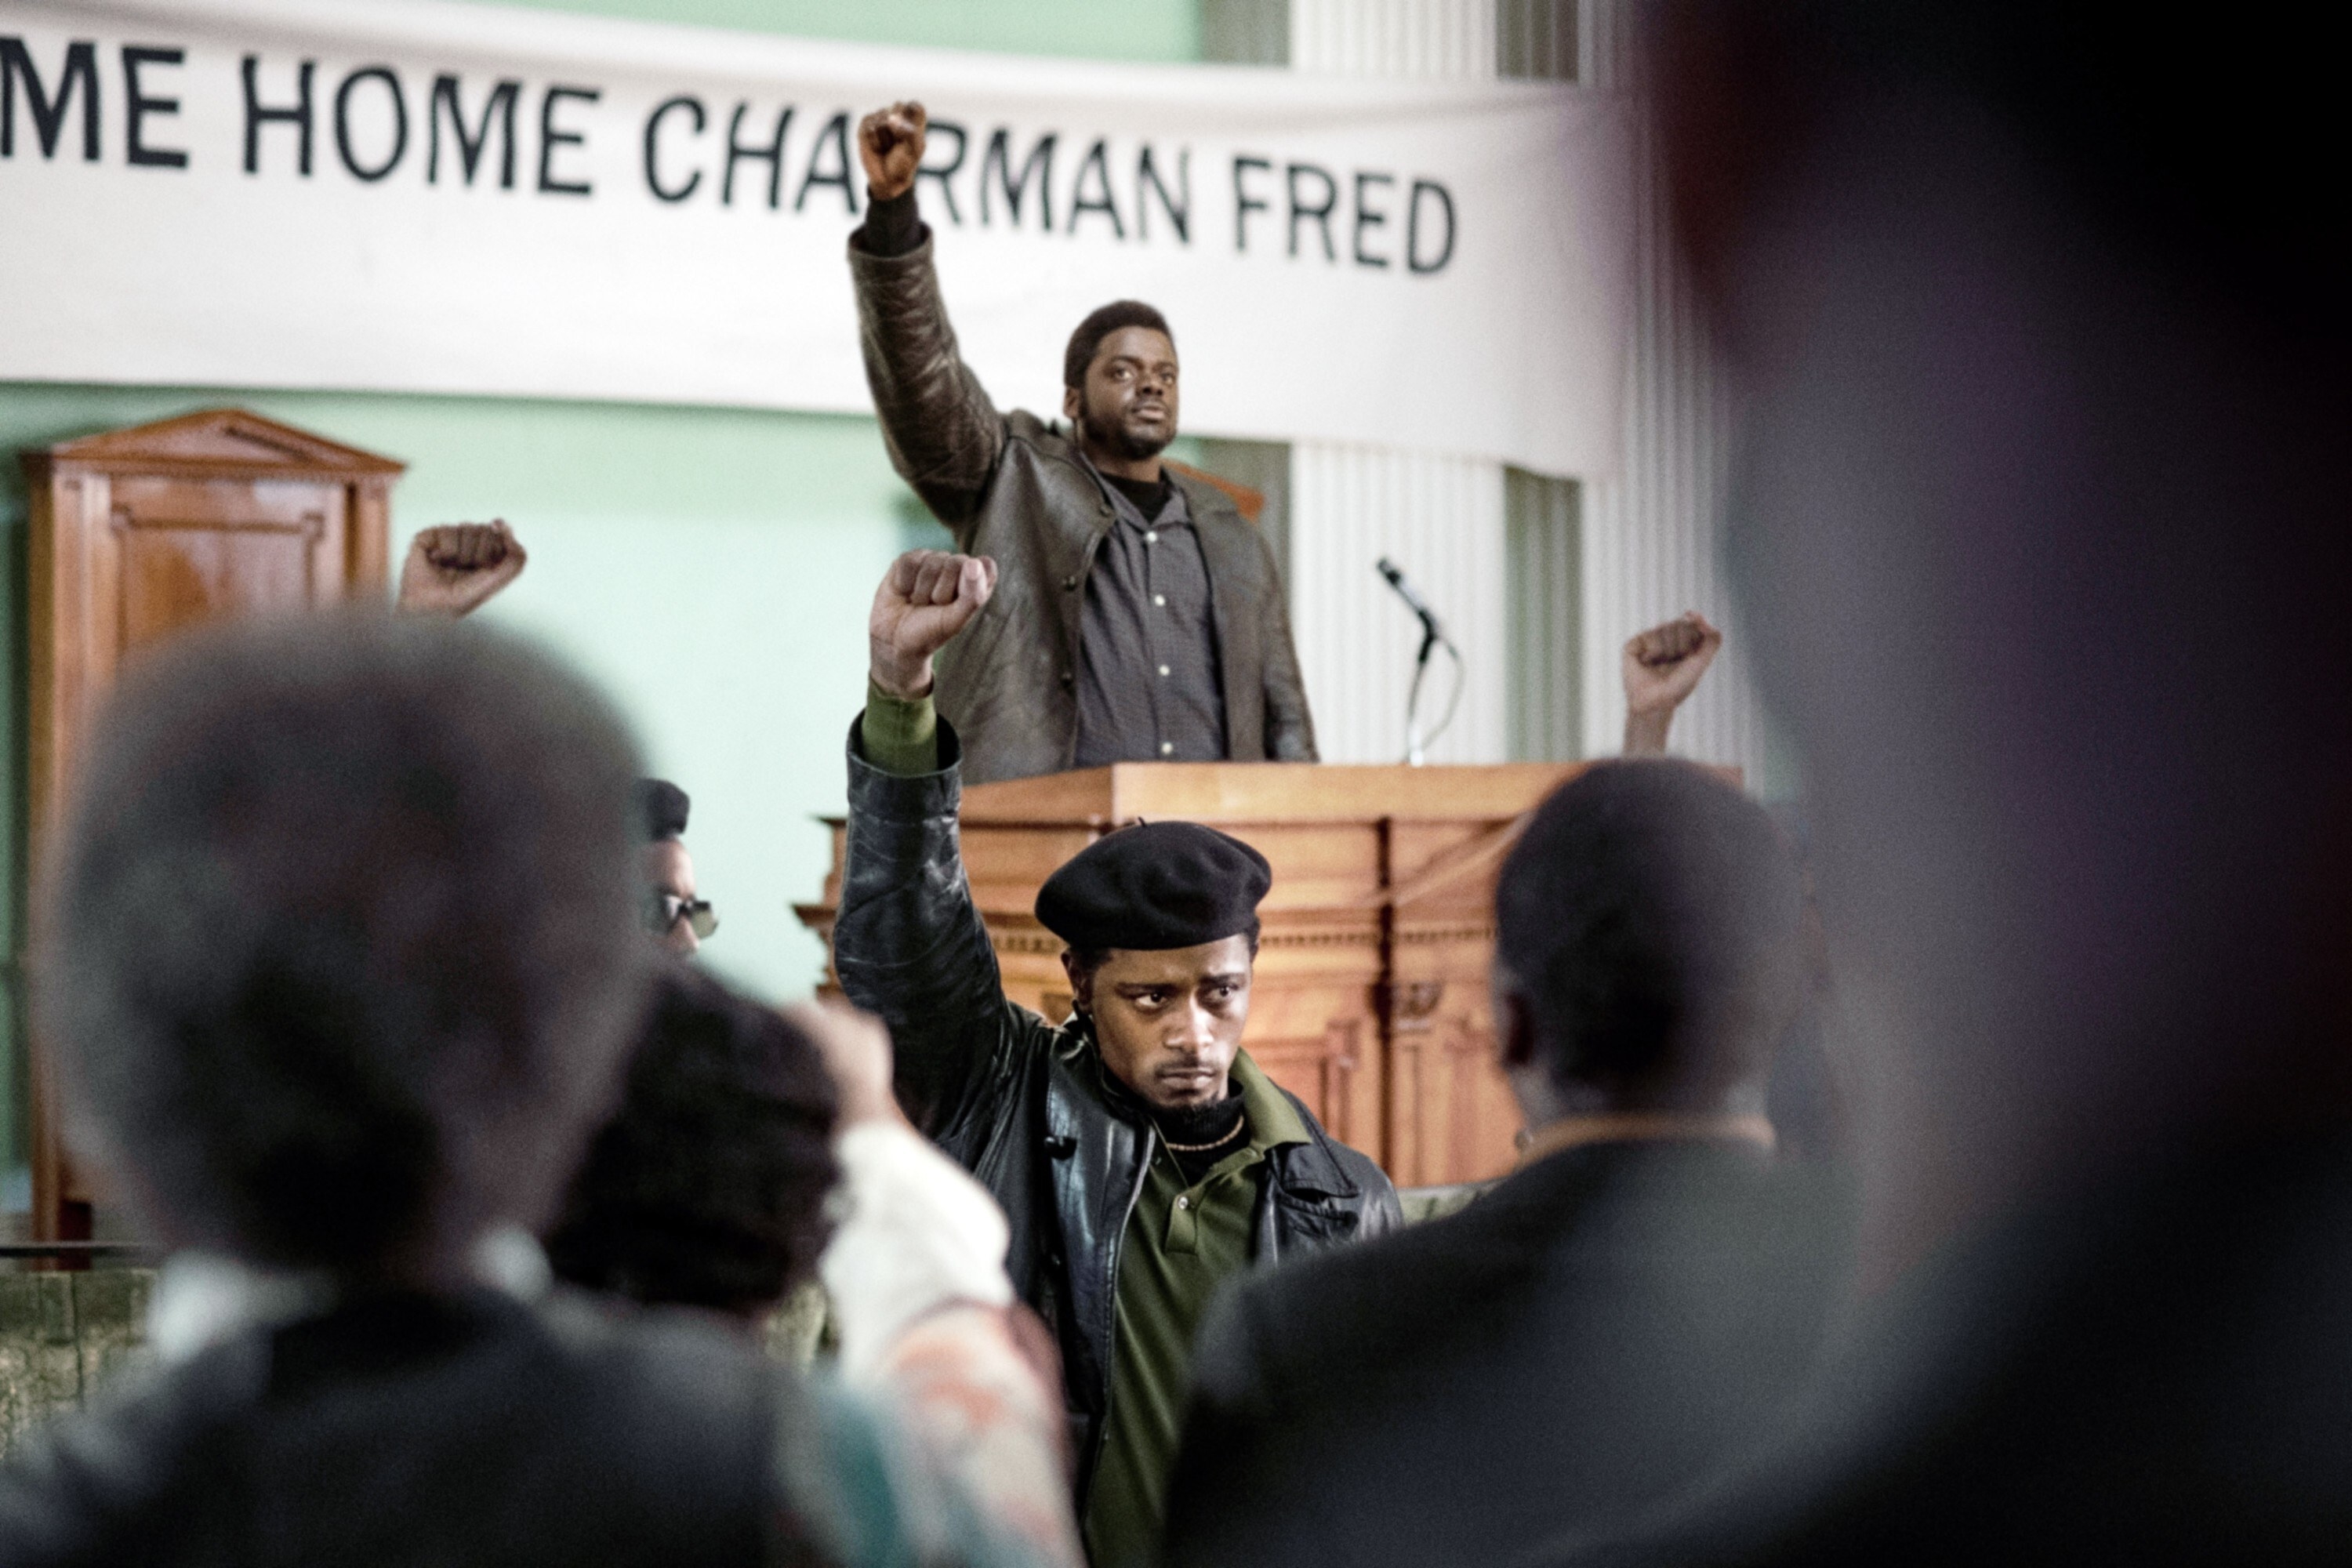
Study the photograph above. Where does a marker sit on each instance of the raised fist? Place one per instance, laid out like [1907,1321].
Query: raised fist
[454,569]
[890,145]
[1662,667]
[925,597]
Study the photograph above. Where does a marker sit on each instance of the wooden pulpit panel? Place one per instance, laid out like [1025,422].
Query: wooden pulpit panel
[139,535]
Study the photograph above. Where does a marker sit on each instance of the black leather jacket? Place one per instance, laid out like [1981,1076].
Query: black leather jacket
[1024,1104]
[1014,488]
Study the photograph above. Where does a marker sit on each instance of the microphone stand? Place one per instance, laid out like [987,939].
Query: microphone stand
[1415,753]
[1432,636]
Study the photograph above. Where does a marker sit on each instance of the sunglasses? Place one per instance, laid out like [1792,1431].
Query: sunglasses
[664,911]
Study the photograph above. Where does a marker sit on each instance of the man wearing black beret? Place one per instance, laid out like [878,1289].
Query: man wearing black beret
[1140,1153]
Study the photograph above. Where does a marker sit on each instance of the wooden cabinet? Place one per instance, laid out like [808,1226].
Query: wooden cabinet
[1370,998]
[138,534]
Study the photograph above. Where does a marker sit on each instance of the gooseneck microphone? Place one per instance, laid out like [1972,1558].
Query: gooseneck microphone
[1395,576]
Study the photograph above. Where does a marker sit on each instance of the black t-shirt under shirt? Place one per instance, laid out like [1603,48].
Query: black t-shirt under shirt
[1148,495]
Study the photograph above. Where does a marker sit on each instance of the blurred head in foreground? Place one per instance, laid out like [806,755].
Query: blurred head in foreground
[706,1187]
[1647,954]
[341,949]
[2040,532]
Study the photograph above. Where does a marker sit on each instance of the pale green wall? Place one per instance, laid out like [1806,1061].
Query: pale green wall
[1091,29]
[711,568]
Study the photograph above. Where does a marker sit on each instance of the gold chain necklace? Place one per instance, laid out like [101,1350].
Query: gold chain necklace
[1239,1123]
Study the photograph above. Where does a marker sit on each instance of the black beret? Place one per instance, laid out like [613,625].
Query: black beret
[661,807]
[1155,886]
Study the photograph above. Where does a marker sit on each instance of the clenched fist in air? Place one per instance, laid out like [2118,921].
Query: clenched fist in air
[890,145]
[455,569]
[1662,667]
[925,597]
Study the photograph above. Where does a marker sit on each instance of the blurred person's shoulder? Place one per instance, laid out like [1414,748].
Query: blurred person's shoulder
[478,1429]
[2152,1369]
[1575,1220]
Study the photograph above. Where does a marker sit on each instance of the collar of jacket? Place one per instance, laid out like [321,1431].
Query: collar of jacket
[1298,1145]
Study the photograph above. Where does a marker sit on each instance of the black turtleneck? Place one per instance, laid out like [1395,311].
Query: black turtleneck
[1219,1125]
[1148,495]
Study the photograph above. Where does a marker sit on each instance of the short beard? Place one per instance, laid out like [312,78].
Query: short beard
[1131,447]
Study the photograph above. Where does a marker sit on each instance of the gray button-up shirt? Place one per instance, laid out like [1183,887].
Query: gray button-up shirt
[1149,689]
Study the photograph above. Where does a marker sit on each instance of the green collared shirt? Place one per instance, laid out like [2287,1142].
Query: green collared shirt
[1182,1241]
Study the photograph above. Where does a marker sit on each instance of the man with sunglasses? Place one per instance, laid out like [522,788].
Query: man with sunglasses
[679,921]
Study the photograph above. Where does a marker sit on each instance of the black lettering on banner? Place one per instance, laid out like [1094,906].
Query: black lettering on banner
[1245,204]
[1368,217]
[1097,159]
[49,114]
[772,155]
[501,103]
[1038,165]
[1322,215]
[257,114]
[653,146]
[1179,208]
[550,139]
[385,75]
[926,171]
[1412,251]
[835,135]
[136,106]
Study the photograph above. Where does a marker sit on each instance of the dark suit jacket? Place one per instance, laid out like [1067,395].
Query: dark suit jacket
[1601,1328]
[2155,1370]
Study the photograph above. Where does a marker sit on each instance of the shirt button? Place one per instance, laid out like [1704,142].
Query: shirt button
[1150,536]
[1160,600]
[1185,1202]
[1163,669]
[1167,748]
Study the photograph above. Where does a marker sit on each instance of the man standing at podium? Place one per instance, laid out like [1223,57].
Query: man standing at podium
[1141,1155]
[1141,618]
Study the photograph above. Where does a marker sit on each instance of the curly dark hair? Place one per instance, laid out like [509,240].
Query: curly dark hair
[341,954]
[707,1187]
[1087,340]
[1651,915]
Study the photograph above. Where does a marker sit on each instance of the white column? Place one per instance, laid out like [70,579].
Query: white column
[1394,37]
[1440,520]
[1653,534]
[1439,517]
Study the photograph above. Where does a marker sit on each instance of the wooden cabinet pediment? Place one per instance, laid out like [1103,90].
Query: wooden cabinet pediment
[139,535]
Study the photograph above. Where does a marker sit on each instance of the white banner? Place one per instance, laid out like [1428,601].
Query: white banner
[417,197]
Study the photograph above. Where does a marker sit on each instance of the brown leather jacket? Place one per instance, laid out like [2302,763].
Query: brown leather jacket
[1012,487]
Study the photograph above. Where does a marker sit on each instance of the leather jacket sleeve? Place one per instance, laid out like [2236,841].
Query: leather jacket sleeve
[909,946]
[943,434]
[1290,727]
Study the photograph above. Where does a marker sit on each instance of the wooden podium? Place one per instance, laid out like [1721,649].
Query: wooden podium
[1370,998]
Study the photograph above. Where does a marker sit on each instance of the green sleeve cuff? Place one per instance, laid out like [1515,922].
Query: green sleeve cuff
[902,735]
